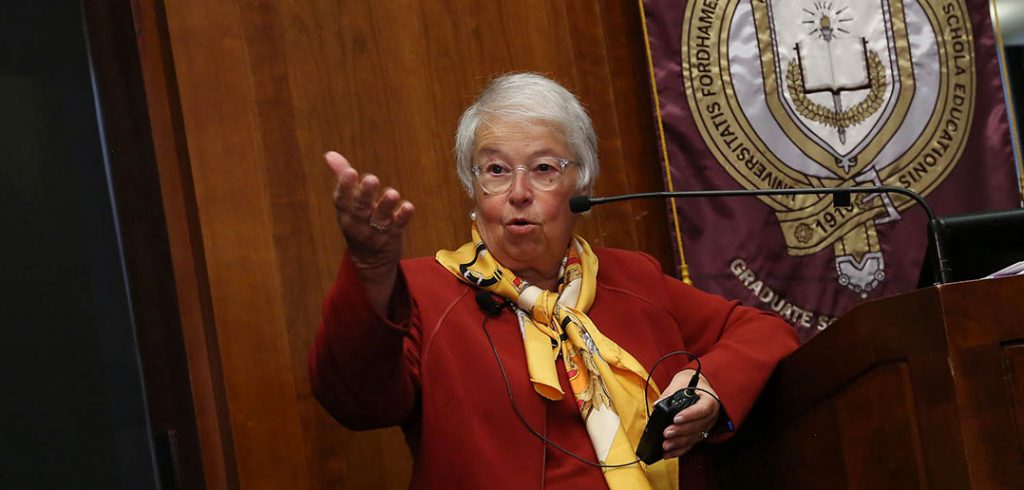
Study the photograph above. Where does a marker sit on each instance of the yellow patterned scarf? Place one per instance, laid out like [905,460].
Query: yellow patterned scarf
[607,381]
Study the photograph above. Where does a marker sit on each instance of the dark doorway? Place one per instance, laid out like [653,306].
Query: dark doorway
[74,411]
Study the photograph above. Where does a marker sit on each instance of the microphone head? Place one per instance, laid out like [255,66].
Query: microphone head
[579,204]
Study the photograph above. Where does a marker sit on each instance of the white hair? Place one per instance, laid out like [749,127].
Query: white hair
[529,98]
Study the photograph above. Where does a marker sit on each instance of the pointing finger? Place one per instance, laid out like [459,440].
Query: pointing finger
[336,162]
[347,178]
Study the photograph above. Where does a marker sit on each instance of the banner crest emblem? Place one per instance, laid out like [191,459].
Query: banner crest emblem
[791,93]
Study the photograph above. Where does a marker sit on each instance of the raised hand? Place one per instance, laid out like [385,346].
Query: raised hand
[373,222]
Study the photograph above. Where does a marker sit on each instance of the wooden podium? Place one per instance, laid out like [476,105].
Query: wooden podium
[921,390]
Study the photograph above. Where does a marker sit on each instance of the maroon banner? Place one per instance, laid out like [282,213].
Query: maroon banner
[794,94]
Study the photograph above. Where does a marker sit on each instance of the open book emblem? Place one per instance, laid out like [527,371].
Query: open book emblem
[838,81]
[821,67]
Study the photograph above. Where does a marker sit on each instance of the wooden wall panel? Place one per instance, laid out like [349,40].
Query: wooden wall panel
[261,89]
[183,231]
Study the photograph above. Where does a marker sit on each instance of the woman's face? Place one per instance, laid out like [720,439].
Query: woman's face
[527,230]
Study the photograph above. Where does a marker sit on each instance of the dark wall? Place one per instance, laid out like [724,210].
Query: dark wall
[72,413]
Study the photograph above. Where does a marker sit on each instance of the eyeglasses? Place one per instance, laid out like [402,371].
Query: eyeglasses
[544,173]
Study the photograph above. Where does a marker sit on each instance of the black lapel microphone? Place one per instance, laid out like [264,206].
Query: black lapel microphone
[489,305]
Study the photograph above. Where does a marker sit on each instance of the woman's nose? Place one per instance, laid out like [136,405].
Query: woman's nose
[522,189]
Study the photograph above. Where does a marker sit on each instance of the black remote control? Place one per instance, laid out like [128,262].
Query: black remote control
[649,450]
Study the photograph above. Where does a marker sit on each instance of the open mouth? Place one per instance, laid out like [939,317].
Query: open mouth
[520,225]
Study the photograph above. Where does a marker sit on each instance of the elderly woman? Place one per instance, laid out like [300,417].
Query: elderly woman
[540,382]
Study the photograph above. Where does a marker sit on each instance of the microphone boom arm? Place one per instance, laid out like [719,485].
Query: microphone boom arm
[579,204]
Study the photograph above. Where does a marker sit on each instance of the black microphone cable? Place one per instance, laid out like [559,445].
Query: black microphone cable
[493,308]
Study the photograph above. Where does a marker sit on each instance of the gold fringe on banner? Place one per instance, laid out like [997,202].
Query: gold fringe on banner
[1011,109]
[684,270]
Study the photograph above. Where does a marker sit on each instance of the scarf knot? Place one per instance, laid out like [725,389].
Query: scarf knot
[544,308]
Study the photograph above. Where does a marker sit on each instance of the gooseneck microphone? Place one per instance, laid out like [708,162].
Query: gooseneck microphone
[840,198]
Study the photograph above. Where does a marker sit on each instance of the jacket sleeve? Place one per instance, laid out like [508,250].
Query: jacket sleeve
[363,368]
[739,346]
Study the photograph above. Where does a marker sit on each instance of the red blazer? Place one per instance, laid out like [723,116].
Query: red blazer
[436,375]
